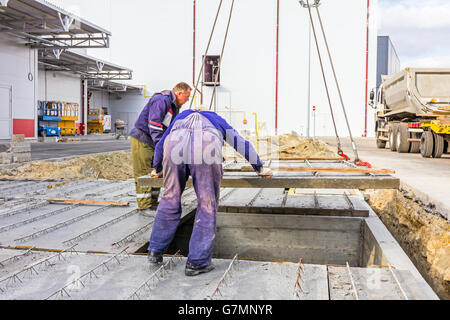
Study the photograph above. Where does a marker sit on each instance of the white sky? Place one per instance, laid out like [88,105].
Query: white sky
[419,30]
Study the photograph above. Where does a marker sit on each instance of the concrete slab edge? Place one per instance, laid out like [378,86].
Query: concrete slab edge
[394,253]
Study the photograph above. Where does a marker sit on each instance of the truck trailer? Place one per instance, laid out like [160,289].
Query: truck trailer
[413,111]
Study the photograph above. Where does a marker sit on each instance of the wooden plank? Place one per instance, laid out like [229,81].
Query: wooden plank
[304,159]
[341,182]
[317,169]
[89,202]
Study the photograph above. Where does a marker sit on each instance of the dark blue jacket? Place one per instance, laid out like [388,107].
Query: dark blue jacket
[229,134]
[156,117]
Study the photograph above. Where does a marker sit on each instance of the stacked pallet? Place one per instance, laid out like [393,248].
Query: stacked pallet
[16,151]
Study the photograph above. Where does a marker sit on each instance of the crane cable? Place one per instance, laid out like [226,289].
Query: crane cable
[357,161]
[206,52]
[221,56]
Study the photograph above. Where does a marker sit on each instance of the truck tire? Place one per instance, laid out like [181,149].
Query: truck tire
[402,137]
[392,134]
[381,144]
[438,145]
[415,146]
[427,144]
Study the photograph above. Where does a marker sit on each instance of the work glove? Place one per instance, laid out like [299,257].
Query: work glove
[265,173]
[155,175]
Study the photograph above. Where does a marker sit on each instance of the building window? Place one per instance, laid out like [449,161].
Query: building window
[211,75]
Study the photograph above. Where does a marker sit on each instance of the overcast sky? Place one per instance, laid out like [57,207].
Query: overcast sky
[419,30]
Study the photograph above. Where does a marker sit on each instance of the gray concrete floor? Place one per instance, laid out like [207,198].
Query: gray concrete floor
[428,177]
[51,150]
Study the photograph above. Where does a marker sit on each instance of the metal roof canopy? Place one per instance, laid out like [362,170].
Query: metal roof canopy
[44,25]
[113,87]
[86,66]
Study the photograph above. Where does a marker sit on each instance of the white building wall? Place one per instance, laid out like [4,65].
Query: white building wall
[16,62]
[156,42]
[59,86]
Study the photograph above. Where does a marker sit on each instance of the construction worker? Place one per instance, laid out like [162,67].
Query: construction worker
[153,121]
[192,146]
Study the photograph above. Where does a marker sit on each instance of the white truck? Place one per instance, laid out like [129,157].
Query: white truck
[413,111]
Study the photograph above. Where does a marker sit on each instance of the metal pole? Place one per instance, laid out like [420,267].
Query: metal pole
[308,130]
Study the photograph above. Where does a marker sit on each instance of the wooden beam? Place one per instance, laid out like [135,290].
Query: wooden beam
[362,183]
[310,169]
[89,202]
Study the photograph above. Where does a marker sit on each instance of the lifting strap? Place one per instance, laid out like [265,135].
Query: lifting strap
[357,161]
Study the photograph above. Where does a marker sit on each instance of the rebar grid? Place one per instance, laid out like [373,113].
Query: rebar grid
[355,291]
[250,204]
[156,277]
[99,228]
[91,274]
[41,217]
[63,224]
[12,279]
[398,282]
[15,258]
[15,202]
[25,209]
[225,279]
[91,185]
[300,278]
[131,236]
[349,201]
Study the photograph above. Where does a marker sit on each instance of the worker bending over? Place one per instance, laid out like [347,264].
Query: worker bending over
[192,146]
[153,121]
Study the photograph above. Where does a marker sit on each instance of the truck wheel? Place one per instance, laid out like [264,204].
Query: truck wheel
[415,146]
[402,138]
[392,134]
[427,144]
[438,145]
[381,144]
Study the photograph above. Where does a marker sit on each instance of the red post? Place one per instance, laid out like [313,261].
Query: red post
[276,68]
[367,69]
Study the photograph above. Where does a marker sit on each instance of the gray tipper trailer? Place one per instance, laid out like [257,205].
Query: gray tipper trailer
[413,111]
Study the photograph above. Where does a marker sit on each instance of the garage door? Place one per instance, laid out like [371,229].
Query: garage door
[5,112]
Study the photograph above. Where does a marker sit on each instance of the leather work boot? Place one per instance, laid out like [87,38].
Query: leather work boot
[155,257]
[191,270]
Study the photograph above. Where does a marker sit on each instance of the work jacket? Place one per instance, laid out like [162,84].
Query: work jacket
[227,133]
[155,118]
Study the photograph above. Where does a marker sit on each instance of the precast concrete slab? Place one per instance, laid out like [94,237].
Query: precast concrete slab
[81,276]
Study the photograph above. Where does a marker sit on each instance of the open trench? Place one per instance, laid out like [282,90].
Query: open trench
[422,233]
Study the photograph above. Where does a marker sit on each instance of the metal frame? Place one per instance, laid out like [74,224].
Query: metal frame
[89,68]
[43,25]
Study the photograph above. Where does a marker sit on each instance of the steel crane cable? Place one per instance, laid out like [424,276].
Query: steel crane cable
[338,87]
[221,55]
[324,79]
[354,147]
[206,52]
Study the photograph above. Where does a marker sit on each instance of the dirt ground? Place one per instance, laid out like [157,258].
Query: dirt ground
[422,233]
[111,166]
[286,146]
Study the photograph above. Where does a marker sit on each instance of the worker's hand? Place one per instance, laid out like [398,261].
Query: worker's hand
[156,175]
[266,173]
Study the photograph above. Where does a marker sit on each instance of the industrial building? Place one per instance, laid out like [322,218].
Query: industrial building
[297,79]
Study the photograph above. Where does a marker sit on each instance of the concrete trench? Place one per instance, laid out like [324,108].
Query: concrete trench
[346,251]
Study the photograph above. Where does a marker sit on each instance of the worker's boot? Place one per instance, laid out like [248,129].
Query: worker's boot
[150,212]
[192,270]
[155,257]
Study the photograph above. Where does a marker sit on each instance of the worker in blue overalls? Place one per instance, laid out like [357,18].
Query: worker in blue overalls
[153,121]
[192,146]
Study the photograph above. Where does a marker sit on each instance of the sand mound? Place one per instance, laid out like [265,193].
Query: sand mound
[303,147]
[111,166]
[286,146]
[424,236]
